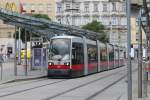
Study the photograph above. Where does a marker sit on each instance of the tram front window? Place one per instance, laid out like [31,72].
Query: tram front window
[60,49]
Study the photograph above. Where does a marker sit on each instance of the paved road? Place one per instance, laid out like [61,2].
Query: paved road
[108,85]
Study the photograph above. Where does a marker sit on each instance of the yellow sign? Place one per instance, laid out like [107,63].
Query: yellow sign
[9,5]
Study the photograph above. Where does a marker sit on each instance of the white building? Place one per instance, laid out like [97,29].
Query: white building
[112,13]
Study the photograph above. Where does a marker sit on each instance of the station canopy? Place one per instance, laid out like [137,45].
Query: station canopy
[43,27]
[146,17]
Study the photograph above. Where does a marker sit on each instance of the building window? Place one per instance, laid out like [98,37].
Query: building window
[32,7]
[77,6]
[95,7]
[105,7]
[96,18]
[86,7]
[59,20]
[68,6]
[40,7]
[124,7]
[114,6]
[9,34]
[114,20]
[86,19]
[59,7]
[48,7]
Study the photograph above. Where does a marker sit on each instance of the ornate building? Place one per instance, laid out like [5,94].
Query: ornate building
[111,13]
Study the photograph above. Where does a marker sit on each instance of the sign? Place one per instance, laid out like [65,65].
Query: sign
[11,5]
[37,60]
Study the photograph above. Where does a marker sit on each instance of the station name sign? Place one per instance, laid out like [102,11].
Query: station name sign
[9,5]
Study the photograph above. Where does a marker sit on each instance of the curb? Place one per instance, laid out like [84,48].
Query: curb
[23,79]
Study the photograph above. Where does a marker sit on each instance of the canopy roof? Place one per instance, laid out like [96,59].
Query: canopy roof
[42,26]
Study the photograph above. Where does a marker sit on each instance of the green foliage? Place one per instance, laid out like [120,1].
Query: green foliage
[97,27]
[44,16]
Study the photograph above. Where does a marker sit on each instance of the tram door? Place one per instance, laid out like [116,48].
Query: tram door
[103,57]
[77,59]
[92,58]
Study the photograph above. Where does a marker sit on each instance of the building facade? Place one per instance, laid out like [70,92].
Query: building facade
[7,31]
[112,14]
[39,7]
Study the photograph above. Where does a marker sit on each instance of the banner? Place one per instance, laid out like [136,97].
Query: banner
[12,5]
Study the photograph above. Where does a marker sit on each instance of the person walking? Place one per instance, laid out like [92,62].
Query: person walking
[1,66]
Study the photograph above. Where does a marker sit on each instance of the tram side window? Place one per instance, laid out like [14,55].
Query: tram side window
[92,53]
[111,54]
[103,54]
[77,53]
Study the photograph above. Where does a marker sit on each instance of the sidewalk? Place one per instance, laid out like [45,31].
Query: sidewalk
[8,73]
[135,86]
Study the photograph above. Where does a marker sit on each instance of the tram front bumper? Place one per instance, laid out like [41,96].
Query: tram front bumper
[58,72]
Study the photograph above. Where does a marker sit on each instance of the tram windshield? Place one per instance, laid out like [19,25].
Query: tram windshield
[60,49]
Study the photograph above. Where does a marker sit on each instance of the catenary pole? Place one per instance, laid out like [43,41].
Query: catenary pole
[129,71]
[140,58]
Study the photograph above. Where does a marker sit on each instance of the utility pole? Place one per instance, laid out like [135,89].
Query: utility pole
[129,71]
[140,58]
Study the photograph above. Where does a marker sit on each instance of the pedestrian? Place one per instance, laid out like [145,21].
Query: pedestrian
[1,61]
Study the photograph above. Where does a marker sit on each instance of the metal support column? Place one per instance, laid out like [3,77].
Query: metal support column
[140,59]
[26,53]
[129,71]
[31,50]
[15,61]
[19,47]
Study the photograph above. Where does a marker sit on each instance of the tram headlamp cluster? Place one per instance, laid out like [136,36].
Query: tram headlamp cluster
[50,63]
[67,63]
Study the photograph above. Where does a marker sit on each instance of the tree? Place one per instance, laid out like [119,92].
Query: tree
[97,27]
[44,16]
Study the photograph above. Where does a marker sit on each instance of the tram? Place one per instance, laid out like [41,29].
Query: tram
[72,56]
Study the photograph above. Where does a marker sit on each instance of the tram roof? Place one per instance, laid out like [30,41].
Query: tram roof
[42,26]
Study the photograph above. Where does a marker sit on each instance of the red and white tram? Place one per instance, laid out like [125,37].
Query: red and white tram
[74,56]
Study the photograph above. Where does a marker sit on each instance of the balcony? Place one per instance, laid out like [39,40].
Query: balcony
[95,13]
[118,27]
[105,13]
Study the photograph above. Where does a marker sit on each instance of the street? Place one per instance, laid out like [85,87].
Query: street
[108,85]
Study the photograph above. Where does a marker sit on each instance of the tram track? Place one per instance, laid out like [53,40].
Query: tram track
[56,82]
[95,94]
[39,86]
[25,83]
[107,87]
[82,85]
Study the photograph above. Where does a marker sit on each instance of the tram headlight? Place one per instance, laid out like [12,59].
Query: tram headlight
[67,63]
[50,63]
